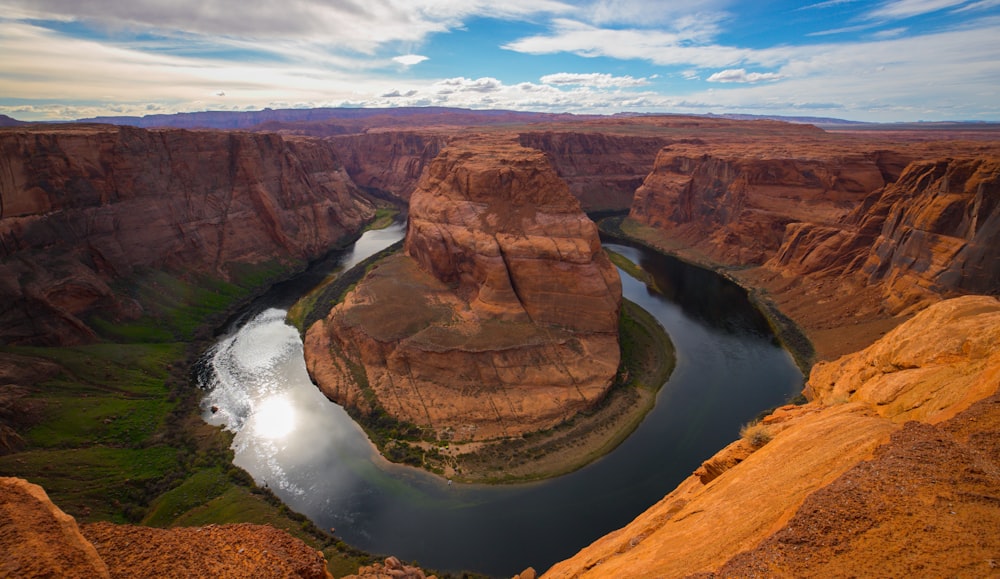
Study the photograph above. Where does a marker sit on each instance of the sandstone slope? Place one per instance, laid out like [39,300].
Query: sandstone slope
[500,319]
[843,488]
[83,208]
[38,539]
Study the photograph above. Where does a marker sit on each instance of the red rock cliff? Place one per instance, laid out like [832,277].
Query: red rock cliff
[85,206]
[500,319]
[602,170]
[933,233]
[733,204]
[388,162]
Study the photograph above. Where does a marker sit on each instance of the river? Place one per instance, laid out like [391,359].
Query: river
[307,450]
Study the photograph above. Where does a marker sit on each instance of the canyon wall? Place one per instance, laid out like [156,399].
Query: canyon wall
[734,203]
[83,208]
[602,170]
[933,232]
[388,163]
[889,471]
[500,319]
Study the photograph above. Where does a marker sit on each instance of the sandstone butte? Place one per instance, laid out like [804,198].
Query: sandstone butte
[85,209]
[500,318]
[891,470]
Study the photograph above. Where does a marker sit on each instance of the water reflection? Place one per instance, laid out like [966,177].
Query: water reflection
[309,451]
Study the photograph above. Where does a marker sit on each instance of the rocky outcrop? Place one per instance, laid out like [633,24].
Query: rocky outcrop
[85,207]
[501,317]
[734,205]
[933,233]
[602,170]
[841,480]
[38,539]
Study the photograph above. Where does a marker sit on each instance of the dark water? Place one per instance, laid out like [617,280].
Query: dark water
[319,462]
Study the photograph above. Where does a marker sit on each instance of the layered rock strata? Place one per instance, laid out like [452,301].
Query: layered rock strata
[602,170]
[933,232]
[82,208]
[889,471]
[735,204]
[500,318]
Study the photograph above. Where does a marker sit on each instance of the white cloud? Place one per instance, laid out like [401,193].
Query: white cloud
[909,8]
[656,46]
[741,75]
[409,59]
[356,25]
[595,79]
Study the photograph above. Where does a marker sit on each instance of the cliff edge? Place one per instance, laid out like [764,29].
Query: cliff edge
[890,470]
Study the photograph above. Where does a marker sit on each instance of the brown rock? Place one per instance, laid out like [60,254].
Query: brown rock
[736,204]
[502,317]
[86,206]
[602,170]
[37,539]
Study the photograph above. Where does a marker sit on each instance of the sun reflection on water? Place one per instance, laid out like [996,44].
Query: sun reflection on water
[273,418]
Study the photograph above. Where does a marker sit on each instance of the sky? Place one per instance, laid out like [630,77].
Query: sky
[880,60]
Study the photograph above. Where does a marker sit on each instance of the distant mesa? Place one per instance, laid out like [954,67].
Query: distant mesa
[499,318]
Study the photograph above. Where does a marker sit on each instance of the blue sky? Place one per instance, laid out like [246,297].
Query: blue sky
[882,60]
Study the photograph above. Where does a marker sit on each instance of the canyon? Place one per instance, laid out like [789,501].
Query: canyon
[868,240]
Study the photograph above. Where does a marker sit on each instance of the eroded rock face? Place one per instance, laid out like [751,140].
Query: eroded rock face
[501,318]
[602,170]
[933,233]
[735,205]
[388,162]
[902,435]
[85,207]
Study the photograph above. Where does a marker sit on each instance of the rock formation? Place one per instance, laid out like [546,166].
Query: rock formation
[82,208]
[390,162]
[843,487]
[38,539]
[934,232]
[501,317]
[602,170]
[735,204]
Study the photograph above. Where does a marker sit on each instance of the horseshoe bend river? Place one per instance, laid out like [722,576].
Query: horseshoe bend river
[313,456]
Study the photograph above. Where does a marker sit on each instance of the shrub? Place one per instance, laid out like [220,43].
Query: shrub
[756,434]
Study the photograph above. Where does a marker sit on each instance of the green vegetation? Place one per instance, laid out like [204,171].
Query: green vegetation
[114,432]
